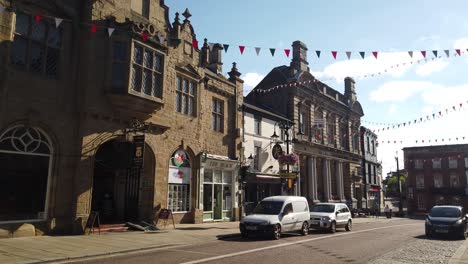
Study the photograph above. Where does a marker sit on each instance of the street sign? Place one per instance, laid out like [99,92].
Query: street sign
[288,175]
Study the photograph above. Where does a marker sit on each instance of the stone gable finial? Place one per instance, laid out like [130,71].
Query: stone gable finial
[176,19]
[187,15]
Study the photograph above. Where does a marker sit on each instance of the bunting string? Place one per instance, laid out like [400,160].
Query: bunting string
[423,141]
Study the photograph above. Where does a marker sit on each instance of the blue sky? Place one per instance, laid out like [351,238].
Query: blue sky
[392,28]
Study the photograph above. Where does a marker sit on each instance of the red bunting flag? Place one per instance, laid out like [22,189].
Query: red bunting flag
[38,18]
[241,48]
[334,54]
[440,113]
[375,53]
[423,52]
[145,36]
[195,43]
[458,51]
[287,51]
[93,28]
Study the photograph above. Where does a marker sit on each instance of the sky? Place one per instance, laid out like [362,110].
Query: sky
[394,89]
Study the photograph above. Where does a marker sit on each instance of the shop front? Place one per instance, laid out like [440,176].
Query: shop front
[218,188]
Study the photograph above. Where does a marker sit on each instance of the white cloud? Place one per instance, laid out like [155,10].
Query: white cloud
[398,91]
[431,67]
[393,108]
[251,79]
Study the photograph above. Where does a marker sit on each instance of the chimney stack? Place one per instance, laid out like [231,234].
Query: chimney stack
[299,57]
[216,63]
[350,89]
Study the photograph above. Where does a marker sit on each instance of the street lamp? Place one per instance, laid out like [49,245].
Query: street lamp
[285,126]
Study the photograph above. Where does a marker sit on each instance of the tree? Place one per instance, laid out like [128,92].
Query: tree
[391,184]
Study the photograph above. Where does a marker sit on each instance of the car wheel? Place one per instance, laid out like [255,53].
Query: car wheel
[332,227]
[349,226]
[428,233]
[305,229]
[276,232]
[464,234]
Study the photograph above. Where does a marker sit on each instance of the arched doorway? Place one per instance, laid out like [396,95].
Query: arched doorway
[116,183]
[25,162]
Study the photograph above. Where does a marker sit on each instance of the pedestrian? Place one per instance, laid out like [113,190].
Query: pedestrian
[387,211]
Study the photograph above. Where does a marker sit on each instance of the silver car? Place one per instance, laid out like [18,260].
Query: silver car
[329,216]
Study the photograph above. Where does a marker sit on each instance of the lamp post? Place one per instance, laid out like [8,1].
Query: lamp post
[285,126]
[400,204]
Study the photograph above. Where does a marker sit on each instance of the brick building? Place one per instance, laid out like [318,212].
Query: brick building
[436,175]
[370,193]
[114,110]
[326,131]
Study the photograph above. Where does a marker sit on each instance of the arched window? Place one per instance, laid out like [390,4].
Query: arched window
[25,159]
[180,177]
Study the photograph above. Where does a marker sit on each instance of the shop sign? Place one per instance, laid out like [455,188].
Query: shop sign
[288,175]
[276,151]
[139,146]
[180,175]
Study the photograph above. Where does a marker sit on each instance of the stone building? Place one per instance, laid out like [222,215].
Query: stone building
[326,130]
[436,175]
[113,109]
[369,195]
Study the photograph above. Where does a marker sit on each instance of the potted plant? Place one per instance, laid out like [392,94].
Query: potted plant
[287,159]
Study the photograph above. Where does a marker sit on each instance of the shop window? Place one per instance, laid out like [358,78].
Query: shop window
[36,46]
[217,194]
[180,176]
[25,159]
[186,92]
[147,71]
[217,115]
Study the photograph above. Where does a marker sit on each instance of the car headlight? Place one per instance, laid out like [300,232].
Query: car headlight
[428,222]
[459,222]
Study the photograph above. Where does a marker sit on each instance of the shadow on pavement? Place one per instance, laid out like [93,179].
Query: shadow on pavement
[201,228]
[440,237]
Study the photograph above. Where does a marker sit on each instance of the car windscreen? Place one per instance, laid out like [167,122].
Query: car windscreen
[268,208]
[323,208]
[445,212]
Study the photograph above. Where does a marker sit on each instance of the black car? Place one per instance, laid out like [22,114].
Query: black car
[447,219]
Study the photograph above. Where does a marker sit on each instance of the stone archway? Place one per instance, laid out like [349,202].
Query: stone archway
[26,160]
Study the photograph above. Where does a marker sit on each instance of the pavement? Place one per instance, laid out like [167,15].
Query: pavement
[66,249]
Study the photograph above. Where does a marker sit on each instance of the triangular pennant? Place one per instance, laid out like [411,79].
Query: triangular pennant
[410,54]
[257,50]
[435,53]
[195,43]
[38,18]
[334,54]
[287,51]
[375,53]
[348,54]
[362,53]
[211,45]
[226,47]
[241,48]
[110,31]
[272,51]
[58,21]
[93,28]
[318,53]
[447,53]
[440,113]
[423,52]
[458,52]
[454,108]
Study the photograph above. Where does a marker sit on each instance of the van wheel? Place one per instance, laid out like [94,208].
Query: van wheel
[305,229]
[349,226]
[276,232]
[333,227]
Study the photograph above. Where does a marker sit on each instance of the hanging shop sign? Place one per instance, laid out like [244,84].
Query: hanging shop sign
[139,150]
[276,151]
[288,175]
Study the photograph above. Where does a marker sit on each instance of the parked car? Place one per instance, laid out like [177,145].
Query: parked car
[329,216]
[447,219]
[275,215]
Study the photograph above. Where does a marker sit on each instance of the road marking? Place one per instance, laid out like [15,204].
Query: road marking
[289,244]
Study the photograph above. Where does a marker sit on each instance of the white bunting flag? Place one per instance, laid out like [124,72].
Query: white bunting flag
[58,21]
[410,54]
[447,53]
[348,54]
[257,50]
[110,31]
[161,38]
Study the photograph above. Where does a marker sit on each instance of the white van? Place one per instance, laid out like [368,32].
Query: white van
[277,214]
